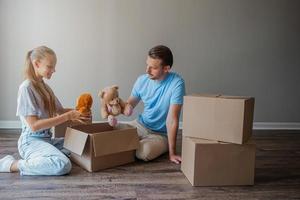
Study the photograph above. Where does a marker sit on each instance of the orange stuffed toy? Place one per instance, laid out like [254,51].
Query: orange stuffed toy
[84,104]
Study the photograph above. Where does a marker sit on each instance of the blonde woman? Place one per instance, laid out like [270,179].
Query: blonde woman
[39,110]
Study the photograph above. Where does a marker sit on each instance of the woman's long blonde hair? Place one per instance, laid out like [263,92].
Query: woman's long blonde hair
[43,89]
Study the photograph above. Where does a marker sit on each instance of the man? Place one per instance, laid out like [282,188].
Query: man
[162,93]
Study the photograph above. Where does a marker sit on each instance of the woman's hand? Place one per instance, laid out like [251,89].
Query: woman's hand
[74,115]
[86,117]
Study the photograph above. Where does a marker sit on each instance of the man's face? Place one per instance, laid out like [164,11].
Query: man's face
[155,70]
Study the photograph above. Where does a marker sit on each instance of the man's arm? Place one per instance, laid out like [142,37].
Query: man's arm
[130,105]
[172,128]
[133,101]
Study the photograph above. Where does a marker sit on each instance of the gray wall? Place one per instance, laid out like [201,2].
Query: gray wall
[235,47]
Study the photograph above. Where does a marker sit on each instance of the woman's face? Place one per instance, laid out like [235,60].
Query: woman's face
[45,67]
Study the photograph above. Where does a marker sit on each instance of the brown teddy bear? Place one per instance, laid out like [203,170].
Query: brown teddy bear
[112,105]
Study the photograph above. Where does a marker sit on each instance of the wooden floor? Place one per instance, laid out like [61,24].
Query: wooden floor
[277,176]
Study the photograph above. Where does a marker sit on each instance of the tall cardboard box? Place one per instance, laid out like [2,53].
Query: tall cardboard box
[217,117]
[99,146]
[213,163]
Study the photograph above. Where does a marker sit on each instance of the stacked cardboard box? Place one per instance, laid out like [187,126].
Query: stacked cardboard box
[216,146]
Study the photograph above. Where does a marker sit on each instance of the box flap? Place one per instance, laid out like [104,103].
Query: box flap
[115,141]
[235,97]
[75,140]
[202,141]
[204,95]
[219,96]
[93,128]
[206,141]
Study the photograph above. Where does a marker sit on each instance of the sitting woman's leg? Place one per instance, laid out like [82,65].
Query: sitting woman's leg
[42,158]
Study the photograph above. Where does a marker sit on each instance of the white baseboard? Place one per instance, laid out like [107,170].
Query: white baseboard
[256,125]
[10,124]
[271,125]
[276,125]
[16,124]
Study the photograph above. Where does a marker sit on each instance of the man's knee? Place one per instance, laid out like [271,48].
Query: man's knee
[144,152]
[149,150]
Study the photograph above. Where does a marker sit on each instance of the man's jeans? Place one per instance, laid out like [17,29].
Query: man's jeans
[152,144]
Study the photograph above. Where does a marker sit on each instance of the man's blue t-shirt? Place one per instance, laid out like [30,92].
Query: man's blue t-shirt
[157,97]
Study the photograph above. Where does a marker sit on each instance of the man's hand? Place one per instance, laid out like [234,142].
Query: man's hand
[175,158]
[128,110]
[172,128]
[130,105]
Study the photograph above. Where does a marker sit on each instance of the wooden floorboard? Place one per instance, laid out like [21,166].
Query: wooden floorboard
[277,176]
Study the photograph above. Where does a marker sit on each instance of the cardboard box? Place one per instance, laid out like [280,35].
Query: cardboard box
[217,117]
[99,146]
[60,130]
[212,163]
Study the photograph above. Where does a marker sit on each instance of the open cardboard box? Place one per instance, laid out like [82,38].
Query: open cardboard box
[100,146]
[218,117]
[60,130]
[213,163]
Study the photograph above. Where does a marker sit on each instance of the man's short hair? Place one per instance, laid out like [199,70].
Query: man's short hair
[163,53]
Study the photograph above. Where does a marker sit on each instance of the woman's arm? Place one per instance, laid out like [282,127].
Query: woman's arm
[36,123]
[64,110]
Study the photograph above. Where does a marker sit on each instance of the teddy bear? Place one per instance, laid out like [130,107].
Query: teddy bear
[112,105]
[83,105]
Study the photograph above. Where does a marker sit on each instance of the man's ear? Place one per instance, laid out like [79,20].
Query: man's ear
[166,68]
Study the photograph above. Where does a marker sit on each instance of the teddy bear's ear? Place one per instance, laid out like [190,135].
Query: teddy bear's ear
[115,86]
[101,94]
